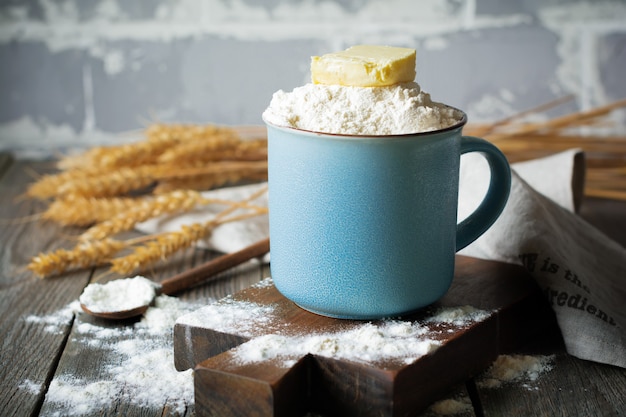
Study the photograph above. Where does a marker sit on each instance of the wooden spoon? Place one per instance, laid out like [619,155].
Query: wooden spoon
[189,279]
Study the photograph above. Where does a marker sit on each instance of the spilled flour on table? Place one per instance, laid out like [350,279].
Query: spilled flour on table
[55,323]
[451,407]
[524,369]
[31,387]
[138,367]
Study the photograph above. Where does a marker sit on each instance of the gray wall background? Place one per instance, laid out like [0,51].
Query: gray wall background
[84,72]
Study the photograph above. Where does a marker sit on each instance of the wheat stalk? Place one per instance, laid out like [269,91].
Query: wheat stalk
[160,137]
[178,201]
[163,245]
[212,149]
[126,179]
[143,209]
[603,155]
[83,255]
[570,120]
[209,181]
[134,154]
[47,185]
[76,210]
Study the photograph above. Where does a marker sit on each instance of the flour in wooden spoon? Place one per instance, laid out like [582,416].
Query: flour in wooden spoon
[118,295]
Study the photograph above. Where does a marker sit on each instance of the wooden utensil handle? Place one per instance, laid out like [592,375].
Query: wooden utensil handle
[211,268]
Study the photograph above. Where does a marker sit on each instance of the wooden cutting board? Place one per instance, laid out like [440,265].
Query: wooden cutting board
[208,340]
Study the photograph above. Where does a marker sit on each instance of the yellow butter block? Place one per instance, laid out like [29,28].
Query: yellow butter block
[365,66]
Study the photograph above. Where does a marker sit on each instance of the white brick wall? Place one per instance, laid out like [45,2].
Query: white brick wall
[78,72]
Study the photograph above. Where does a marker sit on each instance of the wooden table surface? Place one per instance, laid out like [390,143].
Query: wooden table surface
[36,353]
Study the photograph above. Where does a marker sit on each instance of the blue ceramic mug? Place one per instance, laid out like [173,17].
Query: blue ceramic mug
[365,227]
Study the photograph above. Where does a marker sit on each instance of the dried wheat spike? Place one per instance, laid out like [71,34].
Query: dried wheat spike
[126,179]
[115,182]
[209,181]
[75,210]
[222,147]
[166,244]
[47,186]
[131,154]
[206,149]
[253,146]
[128,155]
[160,138]
[161,247]
[144,209]
[81,256]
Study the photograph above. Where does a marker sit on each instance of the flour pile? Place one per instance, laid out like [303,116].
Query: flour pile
[118,295]
[525,369]
[393,110]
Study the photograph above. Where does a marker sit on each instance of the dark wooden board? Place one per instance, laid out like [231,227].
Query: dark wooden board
[342,387]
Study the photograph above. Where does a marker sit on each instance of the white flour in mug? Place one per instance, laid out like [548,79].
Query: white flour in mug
[393,110]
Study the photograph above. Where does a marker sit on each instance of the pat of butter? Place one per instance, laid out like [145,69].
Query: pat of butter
[365,66]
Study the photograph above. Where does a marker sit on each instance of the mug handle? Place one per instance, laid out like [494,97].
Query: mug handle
[497,195]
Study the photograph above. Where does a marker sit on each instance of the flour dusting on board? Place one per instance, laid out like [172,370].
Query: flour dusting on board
[386,340]
[458,316]
[391,340]
[230,315]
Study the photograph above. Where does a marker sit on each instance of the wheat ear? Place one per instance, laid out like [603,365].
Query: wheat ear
[75,210]
[209,181]
[161,137]
[127,179]
[83,255]
[144,209]
[164,245]
[161,246]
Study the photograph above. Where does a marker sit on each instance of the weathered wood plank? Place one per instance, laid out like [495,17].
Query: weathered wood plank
[26,301]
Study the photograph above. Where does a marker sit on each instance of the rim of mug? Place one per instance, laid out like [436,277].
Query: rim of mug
[455,126]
